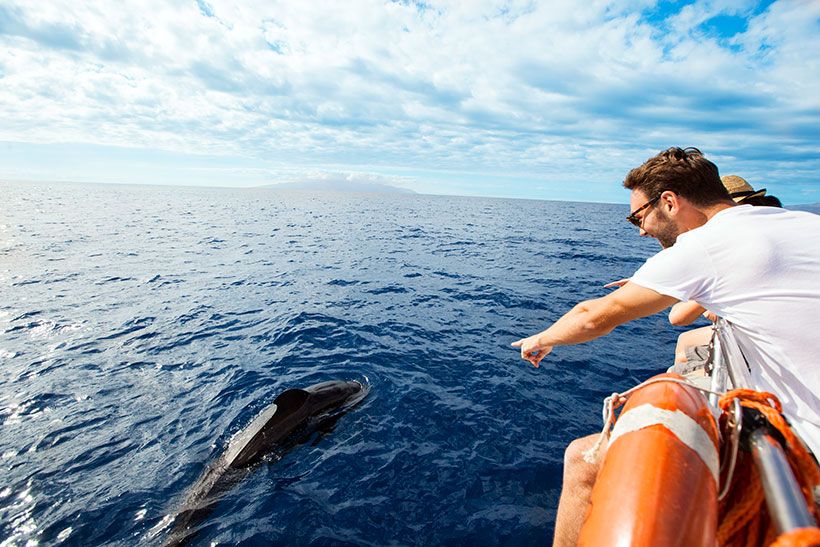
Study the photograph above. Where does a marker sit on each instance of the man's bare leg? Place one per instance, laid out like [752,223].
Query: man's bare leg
[694,337]
[579,478]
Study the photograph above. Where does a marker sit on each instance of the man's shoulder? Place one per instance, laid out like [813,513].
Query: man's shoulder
[749,213]
[736,223]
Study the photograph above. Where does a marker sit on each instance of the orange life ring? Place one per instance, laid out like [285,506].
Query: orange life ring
[658,482]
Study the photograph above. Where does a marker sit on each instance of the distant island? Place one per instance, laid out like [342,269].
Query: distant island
[810,207]
[336,185]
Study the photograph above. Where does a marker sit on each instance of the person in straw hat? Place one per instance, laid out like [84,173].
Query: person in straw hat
[743,193]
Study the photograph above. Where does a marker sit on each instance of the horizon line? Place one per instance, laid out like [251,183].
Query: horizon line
[272,186]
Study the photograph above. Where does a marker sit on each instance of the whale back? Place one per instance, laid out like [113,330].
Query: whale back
[289,414]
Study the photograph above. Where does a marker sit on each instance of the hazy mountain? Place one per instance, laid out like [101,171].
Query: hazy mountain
[331,185]
[810,207]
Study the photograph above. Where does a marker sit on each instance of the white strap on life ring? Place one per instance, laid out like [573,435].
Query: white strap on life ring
[680,424]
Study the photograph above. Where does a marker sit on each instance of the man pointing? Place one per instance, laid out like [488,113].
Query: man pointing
[757,267]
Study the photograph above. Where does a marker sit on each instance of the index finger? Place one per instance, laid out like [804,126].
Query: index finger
[619,283]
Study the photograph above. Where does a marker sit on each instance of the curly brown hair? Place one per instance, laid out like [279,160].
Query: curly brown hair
[685,171]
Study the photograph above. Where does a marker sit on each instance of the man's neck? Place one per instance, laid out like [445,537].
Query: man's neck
[698,216]
[715,209]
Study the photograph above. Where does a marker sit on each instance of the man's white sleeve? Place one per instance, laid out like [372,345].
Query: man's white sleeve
[683,271]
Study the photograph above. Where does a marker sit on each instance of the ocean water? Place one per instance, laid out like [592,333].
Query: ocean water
[142,326]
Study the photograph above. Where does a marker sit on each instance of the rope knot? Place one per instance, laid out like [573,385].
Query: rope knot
[750,396]
[610,404]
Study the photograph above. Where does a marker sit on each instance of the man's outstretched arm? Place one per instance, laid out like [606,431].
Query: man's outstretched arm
[684,314]
[594,318]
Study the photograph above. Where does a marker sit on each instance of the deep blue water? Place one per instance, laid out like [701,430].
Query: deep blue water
[143,326]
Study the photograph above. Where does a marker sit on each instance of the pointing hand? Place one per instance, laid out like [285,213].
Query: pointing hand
[531,351]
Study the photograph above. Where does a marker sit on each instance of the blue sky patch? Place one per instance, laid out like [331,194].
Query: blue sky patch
[205,8]
[660,12]
[725,26]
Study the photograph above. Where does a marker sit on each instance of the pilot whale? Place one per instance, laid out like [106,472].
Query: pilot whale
[277,427]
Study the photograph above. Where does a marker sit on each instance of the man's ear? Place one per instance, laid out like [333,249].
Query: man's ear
[670,202]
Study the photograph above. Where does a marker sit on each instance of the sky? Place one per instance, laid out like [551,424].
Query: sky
[545,100]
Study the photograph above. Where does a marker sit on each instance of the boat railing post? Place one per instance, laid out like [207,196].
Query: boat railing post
[720,374]
[786,504]
[729,352]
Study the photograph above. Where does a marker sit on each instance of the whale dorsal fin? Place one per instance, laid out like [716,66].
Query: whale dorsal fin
[244,446]
[290,400]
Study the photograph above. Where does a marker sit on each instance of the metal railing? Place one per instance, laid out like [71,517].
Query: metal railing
[729,368]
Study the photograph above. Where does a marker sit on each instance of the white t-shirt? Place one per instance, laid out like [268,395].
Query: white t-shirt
[759,268]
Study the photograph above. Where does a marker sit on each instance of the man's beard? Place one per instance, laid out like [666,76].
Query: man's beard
[668,230]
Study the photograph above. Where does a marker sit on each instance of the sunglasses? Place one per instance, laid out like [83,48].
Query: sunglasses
[633,216]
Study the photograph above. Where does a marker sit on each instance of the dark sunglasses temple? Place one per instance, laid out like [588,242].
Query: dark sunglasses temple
[633,219]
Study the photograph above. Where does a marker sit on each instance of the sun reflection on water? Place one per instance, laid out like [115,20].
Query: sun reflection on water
[18,514]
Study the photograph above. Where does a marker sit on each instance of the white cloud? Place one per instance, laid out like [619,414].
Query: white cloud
[544,89]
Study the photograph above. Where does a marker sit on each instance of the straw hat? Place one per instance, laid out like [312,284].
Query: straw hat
[739,189]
